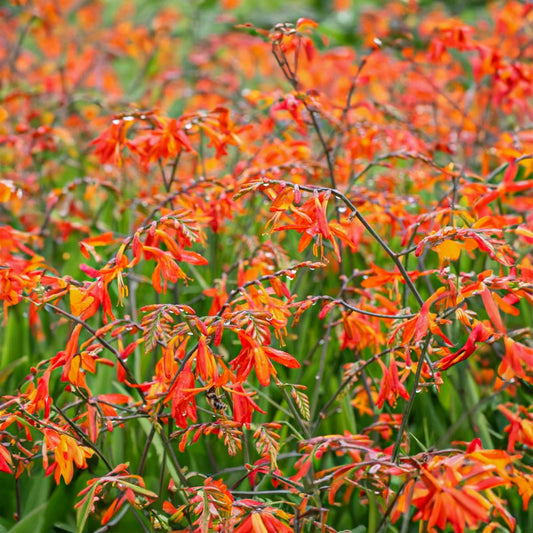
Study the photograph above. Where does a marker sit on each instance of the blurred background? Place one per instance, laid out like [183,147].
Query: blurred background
[338,18]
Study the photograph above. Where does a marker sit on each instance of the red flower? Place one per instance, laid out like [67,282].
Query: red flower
[478,334]
[243,405]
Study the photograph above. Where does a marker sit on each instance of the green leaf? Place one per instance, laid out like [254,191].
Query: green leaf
[31,522]
[85,509]
[7,370]
[139,490]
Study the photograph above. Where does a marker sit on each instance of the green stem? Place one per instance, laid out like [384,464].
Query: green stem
[409,406]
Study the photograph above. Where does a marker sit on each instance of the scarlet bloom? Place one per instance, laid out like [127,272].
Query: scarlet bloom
[478,334]
[416,328]
[243,405]
[182,395]
[6,461]
[109,143]
[259,357]
[391,386]
[39,397]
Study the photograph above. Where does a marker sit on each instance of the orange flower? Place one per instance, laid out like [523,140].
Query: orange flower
[263,520]
[517,359]
[424,322]
[109,143]
[254,355]
[519,429]
[452,490]
[67,452]
[166,140]
[206,365]
[311,221]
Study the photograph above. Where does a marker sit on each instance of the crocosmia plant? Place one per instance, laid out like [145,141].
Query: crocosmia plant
[266,270]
